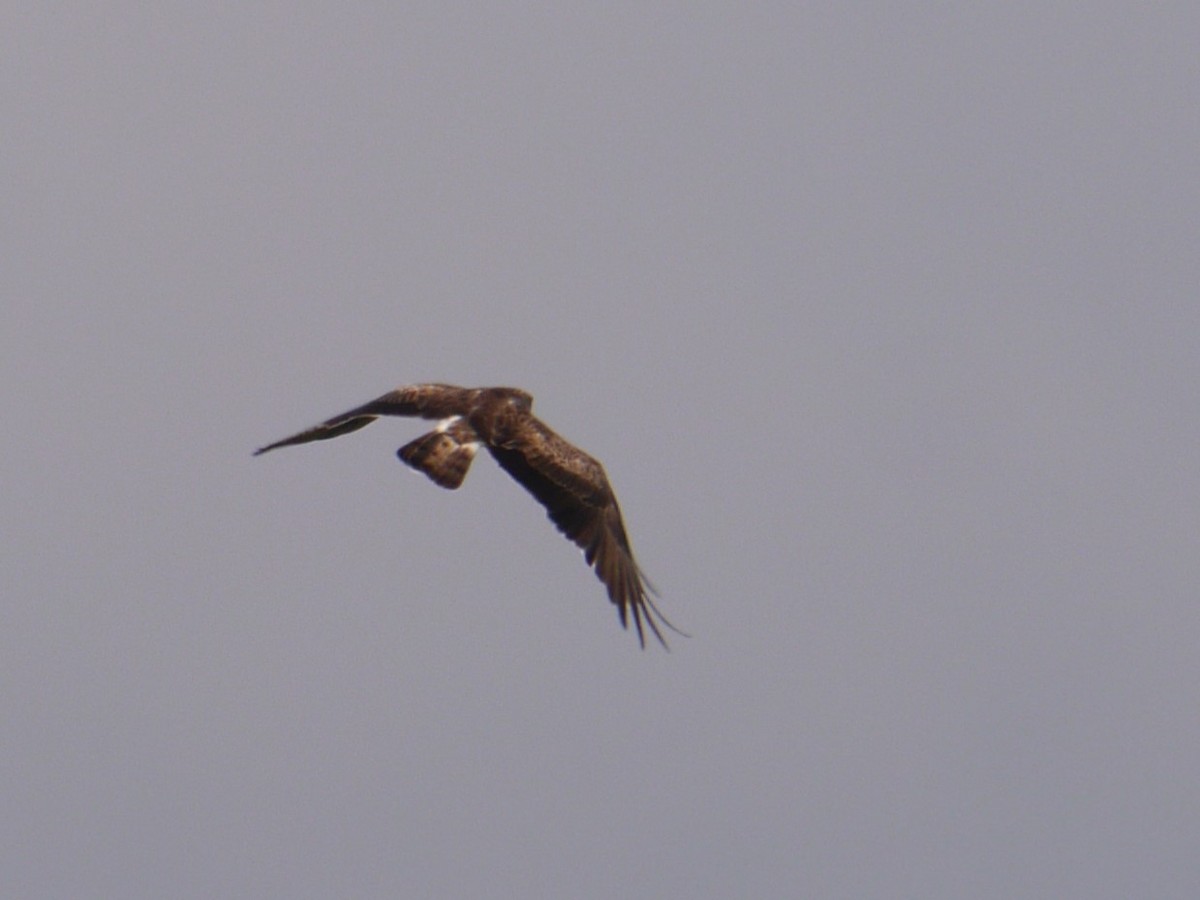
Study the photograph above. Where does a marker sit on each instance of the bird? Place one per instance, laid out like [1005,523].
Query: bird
[569,483]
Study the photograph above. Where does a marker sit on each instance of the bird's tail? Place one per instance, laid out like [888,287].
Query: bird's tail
[444,455]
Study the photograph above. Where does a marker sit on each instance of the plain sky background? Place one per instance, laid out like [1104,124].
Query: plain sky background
[882,317]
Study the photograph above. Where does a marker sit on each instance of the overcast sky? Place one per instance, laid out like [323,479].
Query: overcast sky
[883,319]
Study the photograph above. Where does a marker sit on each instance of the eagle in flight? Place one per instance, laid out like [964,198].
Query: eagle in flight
[568,482]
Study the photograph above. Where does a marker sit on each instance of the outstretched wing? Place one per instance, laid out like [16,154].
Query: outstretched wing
[579,501]
[428,401]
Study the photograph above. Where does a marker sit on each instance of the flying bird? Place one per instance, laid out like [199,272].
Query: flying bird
[568,482]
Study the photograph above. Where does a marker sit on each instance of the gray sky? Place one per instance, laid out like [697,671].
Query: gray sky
[883,319]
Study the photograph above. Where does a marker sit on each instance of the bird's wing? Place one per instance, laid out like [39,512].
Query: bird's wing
[579,501]
[428,401]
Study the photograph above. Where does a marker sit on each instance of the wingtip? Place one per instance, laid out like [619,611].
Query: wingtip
[639,626]
[266,448]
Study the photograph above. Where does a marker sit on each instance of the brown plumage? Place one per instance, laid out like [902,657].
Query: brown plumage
[568,482]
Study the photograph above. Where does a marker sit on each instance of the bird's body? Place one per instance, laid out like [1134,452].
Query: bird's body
[568,482]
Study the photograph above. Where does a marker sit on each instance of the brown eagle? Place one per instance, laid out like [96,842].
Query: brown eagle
[568,482]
